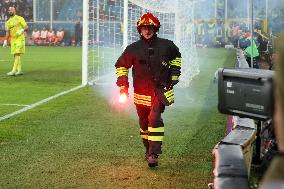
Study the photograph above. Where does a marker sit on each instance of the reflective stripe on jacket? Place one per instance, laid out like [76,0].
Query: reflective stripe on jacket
[154,64]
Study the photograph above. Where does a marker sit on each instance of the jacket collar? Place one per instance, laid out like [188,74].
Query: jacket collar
[149,41]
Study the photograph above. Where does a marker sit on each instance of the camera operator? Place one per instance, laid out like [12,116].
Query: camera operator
[274,176]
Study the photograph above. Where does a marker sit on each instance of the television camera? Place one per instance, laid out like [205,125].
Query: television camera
[249,93]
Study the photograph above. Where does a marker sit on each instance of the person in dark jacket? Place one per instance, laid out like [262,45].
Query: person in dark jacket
[155,64]
[248,44]
[78,33]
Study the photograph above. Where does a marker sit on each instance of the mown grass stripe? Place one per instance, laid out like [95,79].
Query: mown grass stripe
[13,105]
[39,103]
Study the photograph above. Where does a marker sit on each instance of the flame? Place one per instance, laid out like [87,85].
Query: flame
[122,98]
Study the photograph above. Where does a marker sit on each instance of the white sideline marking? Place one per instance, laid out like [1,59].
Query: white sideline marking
[13,105]
[39,103]
[4,60]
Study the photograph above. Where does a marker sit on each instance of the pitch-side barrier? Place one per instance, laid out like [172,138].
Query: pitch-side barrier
[233,154]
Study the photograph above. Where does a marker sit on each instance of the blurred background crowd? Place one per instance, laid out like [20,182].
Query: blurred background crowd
[214,24]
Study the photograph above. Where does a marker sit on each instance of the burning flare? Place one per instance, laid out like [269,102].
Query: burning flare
[122,98]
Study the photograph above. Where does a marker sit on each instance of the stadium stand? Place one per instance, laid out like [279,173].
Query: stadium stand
[24,8]
[2,33]
[68,10]
[42,14]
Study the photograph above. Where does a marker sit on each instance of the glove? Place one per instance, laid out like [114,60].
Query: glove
[20,32]
[5,43]
[123,94]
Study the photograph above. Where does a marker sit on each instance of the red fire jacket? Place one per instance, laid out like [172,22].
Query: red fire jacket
[155,69]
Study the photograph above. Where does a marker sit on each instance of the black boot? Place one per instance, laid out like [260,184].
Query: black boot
[152,160]
[146,145]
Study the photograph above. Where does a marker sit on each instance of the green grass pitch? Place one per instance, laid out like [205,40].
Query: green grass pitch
[80,141]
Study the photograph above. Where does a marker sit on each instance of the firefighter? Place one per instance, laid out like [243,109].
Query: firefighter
[155,64]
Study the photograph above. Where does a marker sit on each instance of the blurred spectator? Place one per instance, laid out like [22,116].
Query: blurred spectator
[68,10]
[211,33]
[51,36]
[78,33]
[2,34]
[24,8]
[200,33]
[243,42]
[251,50]
[235,35]
[43,36]
[59,37]
[220,34]
[35,36]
